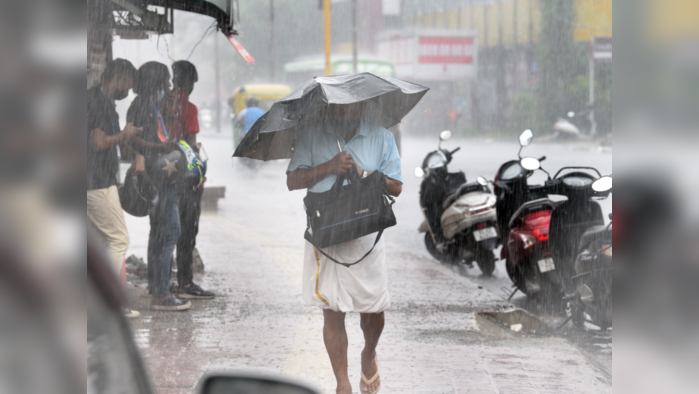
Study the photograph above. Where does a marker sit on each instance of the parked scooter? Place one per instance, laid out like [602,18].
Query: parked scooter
[460,217]
[524,213]
[593,278]
[570,125]
[578,239]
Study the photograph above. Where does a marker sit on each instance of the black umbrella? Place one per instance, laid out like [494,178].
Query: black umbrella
[387,99]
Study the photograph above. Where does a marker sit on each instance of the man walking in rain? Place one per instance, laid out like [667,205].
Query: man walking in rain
[337,289]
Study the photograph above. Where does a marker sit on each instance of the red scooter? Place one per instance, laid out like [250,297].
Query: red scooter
[523,215]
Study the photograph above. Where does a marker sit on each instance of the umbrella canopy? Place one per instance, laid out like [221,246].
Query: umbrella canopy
[387,100]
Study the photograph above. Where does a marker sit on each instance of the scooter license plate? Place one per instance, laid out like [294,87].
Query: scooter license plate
[485,233]
[546,265]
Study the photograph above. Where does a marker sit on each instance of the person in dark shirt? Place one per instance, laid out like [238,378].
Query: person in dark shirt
[183,124]
[103,136]
[152,87]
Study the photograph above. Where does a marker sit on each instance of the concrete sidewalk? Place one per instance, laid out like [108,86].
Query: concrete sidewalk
[431,343]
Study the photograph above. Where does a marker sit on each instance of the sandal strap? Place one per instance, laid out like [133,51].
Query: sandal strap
[368,382]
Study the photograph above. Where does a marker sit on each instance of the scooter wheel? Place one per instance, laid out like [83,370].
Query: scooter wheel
[577,313]
[432,248]
[486,262]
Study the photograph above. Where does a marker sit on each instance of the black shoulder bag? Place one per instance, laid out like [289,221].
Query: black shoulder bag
[348,212]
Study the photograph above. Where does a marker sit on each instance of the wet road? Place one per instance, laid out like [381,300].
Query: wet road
[253,248]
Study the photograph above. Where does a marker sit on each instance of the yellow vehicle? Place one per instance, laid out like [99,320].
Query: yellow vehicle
[267,94]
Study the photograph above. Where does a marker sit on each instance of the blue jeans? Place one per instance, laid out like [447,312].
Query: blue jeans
[164,232]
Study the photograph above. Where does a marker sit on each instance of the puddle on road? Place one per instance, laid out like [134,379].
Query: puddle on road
[511,321]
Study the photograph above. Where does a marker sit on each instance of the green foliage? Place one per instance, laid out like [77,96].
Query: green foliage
[524,114]
[603,98]
[558,59]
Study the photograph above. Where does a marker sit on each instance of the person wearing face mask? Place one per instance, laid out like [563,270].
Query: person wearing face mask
[323,152]
[104,136]
[152,86]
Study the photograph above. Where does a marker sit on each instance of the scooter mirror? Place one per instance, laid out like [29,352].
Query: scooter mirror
[603,184]
[419,172]
[445,135]
[571,114]
[482,181]
[526,137]
[530,163]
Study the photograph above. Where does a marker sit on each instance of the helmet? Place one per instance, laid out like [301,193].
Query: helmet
[166,169]
[196,169]
[138,194]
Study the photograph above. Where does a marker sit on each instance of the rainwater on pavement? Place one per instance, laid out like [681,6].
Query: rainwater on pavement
[252,247]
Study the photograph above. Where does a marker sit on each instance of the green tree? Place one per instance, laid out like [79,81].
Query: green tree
[558,60]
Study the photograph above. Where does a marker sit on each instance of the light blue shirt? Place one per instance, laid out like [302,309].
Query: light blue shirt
[251,116]
[373,148]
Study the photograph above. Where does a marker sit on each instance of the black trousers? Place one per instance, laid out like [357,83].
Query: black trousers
[190,210]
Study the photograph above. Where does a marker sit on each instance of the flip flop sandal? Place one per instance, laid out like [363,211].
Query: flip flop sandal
[368,382]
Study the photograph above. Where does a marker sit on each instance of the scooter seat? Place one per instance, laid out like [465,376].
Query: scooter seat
[539,204]
[463,189]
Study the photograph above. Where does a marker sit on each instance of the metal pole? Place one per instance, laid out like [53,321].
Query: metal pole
[593,125]
[354,36]
[326,15]
[272,53]
[217,106]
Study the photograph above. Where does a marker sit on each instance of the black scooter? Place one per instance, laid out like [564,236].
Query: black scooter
[591,287]
[460,217]
[575,224]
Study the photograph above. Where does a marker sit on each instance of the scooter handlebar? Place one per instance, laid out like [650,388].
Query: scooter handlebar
[455,150]
[542,158]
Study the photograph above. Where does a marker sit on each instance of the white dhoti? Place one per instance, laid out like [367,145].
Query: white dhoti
[361,288]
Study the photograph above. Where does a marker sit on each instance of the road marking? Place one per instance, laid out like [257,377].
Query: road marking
[308,359]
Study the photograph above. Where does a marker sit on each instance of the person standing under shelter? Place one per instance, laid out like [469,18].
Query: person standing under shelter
[362,288]
[103,137]
[152,87]
[183,124]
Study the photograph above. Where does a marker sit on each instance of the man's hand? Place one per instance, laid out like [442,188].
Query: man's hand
[130,131]
[200,188]
[138,165]
[341,163]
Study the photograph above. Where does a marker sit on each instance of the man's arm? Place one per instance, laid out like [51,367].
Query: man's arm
[303,178]
[393,187]
[102,141]
[138,163]
[191,139]
[192,125]
[141,146]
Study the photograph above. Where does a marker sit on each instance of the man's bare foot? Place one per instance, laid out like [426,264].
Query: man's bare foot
[370,369]
[344,388]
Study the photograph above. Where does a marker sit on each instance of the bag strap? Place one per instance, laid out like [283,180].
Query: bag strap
[309,237]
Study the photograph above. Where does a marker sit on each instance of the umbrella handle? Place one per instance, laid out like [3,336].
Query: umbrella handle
[338,143]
